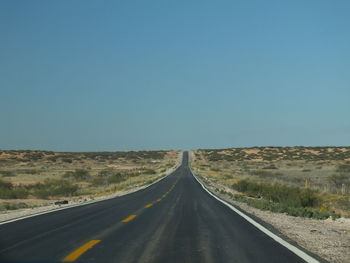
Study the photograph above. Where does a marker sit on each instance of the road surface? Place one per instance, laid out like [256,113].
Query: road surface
[174,220]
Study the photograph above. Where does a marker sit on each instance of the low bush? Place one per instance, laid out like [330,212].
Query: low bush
[280,198]
[344,168]
[270,167]
[6,173]
[338,180]
[292,195]
[77,175]
[106,172]
[67,160]
[291,210]
[116,178]
[11,206]
[108,176]
[54,187]
[34,156]
[8,191]
[150,171]
[29,171]
[266,174]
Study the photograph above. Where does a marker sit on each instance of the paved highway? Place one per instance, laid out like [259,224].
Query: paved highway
[174,220]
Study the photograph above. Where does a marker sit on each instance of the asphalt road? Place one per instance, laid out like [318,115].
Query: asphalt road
[174,220]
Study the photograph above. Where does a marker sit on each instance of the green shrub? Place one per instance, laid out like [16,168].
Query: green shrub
[5,185]
[28,171]
[6,173]
[52,158]
[54,187]
[108,176]
[15,193]
[290,210]
[98,181]
[241,186]
[34,156]
[78,175]
[265,174]
[106,172]
[338,179]
[11,206]
[116,178]
[294,201]
[344,168]
[278,193]
[150,171]
[8,191]
[272,166]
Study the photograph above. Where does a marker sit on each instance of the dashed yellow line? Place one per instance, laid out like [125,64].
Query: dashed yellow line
[78,252]
[81,250]
[129,218]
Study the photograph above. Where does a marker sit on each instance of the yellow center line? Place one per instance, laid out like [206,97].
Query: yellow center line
[149,205]
[129,218]
[78,252]
[158,200]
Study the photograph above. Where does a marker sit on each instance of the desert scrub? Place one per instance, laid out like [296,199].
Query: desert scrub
[294,201]
[344,168]
[339,183]
[150,171]
[77,175]
[108,176]
[266,174]
[6,173]
[8,191]
[11,206]
[53,188]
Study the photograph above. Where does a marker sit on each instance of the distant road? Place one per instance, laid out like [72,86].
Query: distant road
[174,220]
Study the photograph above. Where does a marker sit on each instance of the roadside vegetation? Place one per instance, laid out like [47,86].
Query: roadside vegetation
[281,198]
[310,182]
[32,178]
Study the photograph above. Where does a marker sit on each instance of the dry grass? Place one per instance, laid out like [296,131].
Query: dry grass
[325,170]
[41,174]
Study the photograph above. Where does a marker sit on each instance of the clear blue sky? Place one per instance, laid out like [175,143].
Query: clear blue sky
[126,75]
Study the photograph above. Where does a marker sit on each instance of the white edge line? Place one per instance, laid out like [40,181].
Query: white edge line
[284,243]
[172,170]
